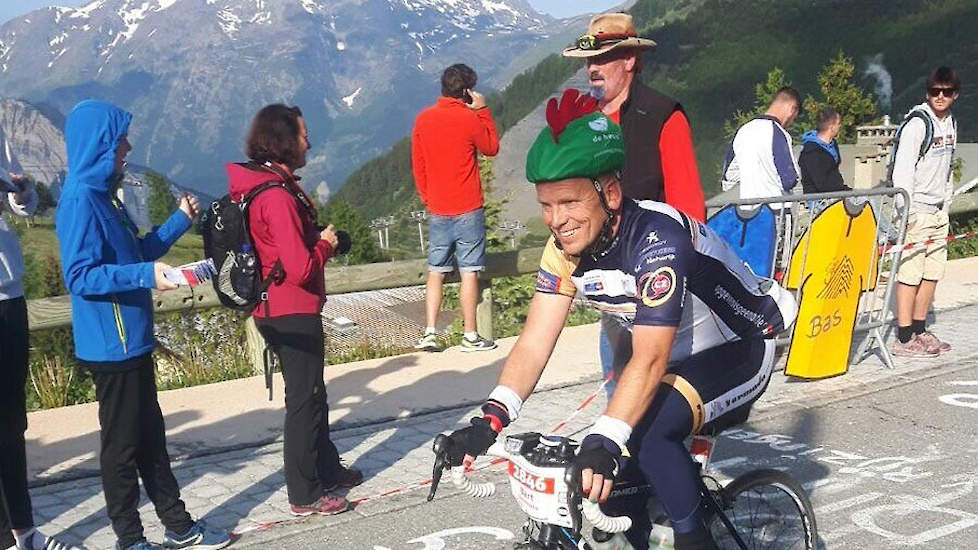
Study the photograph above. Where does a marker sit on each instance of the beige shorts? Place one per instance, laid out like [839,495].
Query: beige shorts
[925,262]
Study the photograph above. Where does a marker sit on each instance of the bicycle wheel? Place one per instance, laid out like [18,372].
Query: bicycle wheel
[769,509]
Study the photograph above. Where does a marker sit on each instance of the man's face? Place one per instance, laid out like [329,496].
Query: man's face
[573,211]
[303,140]
[121,151]
[610,71]
[940,97]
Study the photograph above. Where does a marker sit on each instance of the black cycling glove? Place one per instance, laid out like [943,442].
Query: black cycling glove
[600,454]
[473,440]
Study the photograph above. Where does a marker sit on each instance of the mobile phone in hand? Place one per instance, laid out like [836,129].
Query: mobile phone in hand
[467,97]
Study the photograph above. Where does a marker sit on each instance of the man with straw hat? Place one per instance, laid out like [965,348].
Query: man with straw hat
[660,163]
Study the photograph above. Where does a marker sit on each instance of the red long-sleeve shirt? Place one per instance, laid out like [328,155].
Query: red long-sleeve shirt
[444,143]
[679,170]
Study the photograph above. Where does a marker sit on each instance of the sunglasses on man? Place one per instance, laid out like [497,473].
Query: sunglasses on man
[946,92]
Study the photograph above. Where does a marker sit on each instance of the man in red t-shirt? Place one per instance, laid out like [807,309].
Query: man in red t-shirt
[444,145]
[660,163]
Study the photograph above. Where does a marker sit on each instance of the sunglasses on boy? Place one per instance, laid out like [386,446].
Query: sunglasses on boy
[938,91]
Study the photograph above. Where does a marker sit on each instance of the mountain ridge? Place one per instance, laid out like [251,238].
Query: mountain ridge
[194,72]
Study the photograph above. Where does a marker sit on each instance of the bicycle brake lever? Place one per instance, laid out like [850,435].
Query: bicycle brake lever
[440,447]
[573,479]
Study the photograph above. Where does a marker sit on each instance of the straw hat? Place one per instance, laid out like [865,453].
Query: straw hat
[606,32]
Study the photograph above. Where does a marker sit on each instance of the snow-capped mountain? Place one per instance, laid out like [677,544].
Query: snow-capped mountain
[194,72]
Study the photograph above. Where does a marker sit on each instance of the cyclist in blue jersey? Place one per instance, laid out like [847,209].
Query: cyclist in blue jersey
[693,331]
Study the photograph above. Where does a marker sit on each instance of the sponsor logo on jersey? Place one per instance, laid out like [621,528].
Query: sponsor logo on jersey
[662,258]
[593,287]
[653,237]
[547,282]
[658,286]
[752,317]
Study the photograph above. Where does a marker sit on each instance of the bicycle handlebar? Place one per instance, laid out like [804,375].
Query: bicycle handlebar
[443,447]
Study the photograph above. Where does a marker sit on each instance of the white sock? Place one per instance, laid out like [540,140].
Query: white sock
[471,336]
[430,330]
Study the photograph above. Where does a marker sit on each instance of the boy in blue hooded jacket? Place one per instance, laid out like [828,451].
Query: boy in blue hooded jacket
[109,271]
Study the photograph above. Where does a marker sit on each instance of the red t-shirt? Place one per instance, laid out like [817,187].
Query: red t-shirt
[444,143]
[679,171]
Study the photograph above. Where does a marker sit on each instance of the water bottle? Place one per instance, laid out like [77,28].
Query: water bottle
[608,541]
[661,538]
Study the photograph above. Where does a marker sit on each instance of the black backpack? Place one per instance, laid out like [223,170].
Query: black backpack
[227,241]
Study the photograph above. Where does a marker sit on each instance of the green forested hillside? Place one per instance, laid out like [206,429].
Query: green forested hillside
[711,54]
[711,58]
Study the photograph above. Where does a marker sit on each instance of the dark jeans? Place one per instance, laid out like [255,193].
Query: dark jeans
[15,504]
[311,459]
[134,440]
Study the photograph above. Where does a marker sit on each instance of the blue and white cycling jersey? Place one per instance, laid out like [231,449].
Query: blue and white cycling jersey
[666,269]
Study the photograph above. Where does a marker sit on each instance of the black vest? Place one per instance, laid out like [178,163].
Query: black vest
[642,117]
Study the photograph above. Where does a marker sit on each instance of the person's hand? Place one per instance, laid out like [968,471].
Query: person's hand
[478,100]
[329,235]
[471,441]
[162,283]
[599,461]
[24,184]
[189,205]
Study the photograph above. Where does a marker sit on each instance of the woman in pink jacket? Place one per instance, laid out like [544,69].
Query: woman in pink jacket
[283,224]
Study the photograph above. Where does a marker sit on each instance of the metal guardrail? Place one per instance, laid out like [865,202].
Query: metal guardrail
[962,203]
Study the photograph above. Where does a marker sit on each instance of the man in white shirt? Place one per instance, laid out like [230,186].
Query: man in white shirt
[761,164]
[759,159]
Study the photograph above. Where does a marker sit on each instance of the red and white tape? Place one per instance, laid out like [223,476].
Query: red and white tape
[258,527]
[891,249]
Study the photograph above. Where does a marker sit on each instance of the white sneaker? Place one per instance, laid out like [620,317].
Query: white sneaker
[37,541]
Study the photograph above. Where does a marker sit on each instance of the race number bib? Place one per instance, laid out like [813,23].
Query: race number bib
[540,492]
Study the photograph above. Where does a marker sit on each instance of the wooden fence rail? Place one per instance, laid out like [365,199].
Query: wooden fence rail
[46,313]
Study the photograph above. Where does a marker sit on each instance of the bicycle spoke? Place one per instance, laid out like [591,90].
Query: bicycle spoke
[767,517]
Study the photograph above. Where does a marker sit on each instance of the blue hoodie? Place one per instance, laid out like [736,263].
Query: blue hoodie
[107,268]
[811,136]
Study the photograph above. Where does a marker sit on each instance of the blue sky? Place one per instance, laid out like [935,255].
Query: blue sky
[565,8]
[559,8]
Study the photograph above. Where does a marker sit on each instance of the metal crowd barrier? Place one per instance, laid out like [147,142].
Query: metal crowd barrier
[795,213]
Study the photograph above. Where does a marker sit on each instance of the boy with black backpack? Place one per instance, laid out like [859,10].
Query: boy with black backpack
[922,162]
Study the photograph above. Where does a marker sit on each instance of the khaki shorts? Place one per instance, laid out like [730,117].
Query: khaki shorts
[925,262]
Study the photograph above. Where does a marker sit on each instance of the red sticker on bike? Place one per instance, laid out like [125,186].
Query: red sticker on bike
[533,482]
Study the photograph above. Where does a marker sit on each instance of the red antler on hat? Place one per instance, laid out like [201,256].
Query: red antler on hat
[572,106]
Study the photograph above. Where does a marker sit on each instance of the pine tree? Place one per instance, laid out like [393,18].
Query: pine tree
[162,203]
[763,96]
[856,105]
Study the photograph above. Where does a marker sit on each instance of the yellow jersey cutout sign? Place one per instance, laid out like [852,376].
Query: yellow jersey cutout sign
[832,270]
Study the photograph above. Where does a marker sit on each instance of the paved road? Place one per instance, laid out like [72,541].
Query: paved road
[891,464]
[880,450]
